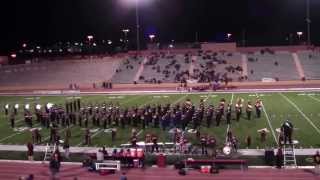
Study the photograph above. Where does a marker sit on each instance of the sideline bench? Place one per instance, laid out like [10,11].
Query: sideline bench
[108,165]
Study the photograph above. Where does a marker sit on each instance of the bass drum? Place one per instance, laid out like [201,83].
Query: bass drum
[227,149]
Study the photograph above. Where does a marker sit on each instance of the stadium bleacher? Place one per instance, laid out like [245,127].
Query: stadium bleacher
[59,72]
[310,62]
[127,70]
[278,66]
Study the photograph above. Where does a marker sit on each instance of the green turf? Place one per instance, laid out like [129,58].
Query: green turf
[301,108]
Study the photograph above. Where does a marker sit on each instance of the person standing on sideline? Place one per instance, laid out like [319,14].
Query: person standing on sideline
[66,147]
[123,176]
[316,159]
[54,166]
[30,151]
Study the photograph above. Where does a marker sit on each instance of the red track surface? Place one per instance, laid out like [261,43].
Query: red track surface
[12,171]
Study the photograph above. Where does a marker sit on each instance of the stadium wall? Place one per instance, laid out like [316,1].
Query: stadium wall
[3,60]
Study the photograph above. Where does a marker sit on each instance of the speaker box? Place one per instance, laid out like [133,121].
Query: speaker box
[269,157]
[182,172]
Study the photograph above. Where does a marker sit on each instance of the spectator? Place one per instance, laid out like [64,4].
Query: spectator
[279,158]
[30,177]
[66,148]
[123,176]
[54,166]
[30,151]
[316,159]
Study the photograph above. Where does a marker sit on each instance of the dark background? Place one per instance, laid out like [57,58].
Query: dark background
[44,22]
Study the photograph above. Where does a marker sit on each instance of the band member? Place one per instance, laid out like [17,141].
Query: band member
[203,142]
[28,118]
[209,115]
[249,110]
[134,141]
[6,109]
[263,134]
[258,107]
[218,118]
[228,114]
[68,133]
[287,129]
[113,134]
[238,109]
[53,133]
[12,120]
[16,107]
[155,144]
[36,136]
[248,141]
[87,137]
[212,144]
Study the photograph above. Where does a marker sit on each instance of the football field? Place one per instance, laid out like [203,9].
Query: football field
[302,108]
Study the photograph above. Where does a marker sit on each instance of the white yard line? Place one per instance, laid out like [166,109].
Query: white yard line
[314,98]
[302,113]
[227,133]
[92,136]
[180,99]
[8,137]
[228,128]
[269,122]
[61,130]
[17,133]
[232,95]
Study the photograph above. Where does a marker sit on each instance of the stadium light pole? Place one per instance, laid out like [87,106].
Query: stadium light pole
[126,31]
[299,35]
[137,25]
[308,20]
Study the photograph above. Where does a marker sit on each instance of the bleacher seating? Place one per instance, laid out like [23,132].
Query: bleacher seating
[221,63]
[277,65]
[164,68]
[59,72]
[310,62]
[127,70]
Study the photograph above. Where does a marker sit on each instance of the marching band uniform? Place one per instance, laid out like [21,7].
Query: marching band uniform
[228,114]
[258,107]
[287,129]
[238,109]
[203,142]
[209,115]
[249,110]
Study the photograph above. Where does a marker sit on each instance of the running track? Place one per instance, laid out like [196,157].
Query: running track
[13,170]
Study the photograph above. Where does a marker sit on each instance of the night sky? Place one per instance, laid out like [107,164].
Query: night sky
[44,22]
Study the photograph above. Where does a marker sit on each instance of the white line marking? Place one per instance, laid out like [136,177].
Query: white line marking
[61,130]
[269,122]
[8,137]
[227,132]
[180,99]
[14,134]
[314,98]
[92,136]
[299,110]
[231,98]
[232,95]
